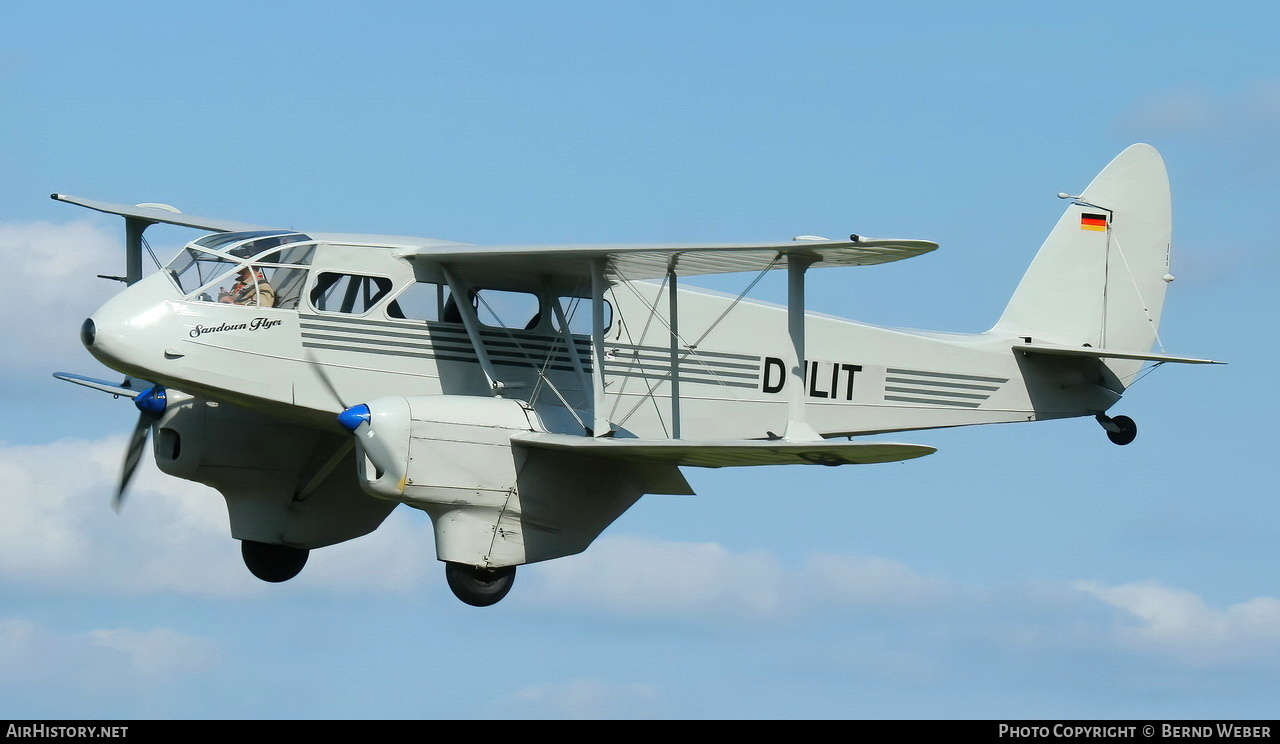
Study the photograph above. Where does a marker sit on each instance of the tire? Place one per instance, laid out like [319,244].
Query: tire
[273,563]
[479,587]
[1128,430]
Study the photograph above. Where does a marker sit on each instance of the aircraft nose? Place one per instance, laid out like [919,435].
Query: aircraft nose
[101,337]
[114,340]
[128,330]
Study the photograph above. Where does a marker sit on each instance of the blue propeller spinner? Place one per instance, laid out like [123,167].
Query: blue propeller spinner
[151,401]
[353,417]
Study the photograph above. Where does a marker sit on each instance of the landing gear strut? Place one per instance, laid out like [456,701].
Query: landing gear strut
[1120,429]
[274,563]
[479,587]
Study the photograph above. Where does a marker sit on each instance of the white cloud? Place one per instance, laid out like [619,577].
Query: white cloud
[399,557]
[56,524]
[57,531]
[645,577]
[57,528]
[52,286]
[1179,623]
[871,581]
[158,652]
[632,575]
[29,652]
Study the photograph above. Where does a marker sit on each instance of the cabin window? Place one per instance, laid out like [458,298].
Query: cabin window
[206,267]
[495,308]
[420,301]
[194,268]
[502,309]
[289,251]
[288,283]
[577,311]
[348,293]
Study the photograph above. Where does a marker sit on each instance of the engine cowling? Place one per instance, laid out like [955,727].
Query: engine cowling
[441,449]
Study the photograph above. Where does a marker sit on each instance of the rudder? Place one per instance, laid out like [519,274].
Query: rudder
[1099,279]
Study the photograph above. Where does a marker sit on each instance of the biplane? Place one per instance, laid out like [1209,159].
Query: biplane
[524,396]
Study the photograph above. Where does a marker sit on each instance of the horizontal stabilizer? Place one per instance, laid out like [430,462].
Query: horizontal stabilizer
[160,214]
[728,454]
[1088,351]
[123,388]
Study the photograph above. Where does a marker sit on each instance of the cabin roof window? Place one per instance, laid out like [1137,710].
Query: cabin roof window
[221,241]
[251,243]
[287,253]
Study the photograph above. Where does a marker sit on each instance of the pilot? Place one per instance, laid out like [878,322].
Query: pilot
[249,290]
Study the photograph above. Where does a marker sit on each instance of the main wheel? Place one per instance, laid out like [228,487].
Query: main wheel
[1128,430]
[274,563]
[479,587]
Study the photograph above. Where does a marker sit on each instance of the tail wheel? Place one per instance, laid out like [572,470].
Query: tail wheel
[479,587]
[273,563]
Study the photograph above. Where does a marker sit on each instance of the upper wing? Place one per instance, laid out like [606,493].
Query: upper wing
[651,261]
[161,214]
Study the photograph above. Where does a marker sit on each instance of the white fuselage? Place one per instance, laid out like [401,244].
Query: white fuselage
[306,363]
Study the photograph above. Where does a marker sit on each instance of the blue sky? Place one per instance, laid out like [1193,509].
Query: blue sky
[1022,571]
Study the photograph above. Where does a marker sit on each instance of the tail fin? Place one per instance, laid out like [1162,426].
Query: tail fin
[1100,277]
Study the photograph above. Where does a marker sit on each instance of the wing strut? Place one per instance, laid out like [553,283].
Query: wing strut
[133,229]
[798,428]
[673,310]
[600,421]
[462,299]
[572,348]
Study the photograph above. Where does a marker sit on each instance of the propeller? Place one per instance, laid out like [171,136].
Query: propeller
[381,452]
[358,420]
[151,403]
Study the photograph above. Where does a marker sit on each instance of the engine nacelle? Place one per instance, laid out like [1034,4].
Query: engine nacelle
[270,472]
[442,449]
[493,502]
[450,456]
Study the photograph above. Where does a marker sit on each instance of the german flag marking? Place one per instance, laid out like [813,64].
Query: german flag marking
[1093,222]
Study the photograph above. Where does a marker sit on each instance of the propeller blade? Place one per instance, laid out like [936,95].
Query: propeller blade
[151,404]
[324,378]
[137,443]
